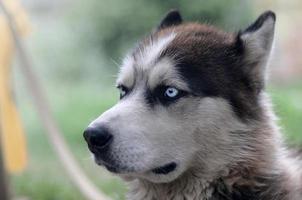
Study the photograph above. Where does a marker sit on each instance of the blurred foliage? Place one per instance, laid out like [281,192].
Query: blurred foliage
[288,107]
[113,26]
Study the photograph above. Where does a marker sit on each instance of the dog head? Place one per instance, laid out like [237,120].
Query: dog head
[188,94]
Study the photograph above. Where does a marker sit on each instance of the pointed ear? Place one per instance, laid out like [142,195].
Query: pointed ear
[256,42]
[172,18]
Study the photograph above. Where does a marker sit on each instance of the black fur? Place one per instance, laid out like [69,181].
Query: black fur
[165,169]
[259,22]
[172,18]
[265,188]
[216,71]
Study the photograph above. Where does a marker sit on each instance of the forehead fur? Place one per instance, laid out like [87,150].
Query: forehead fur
[193,38]
[195,32]
[170,42]
[145,57]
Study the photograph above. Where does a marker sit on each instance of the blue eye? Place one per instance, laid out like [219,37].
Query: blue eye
[166,94]
[171,92]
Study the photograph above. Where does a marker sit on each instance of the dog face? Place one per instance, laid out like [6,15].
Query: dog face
[188,92]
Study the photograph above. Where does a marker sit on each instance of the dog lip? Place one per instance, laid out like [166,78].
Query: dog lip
[116,169]
[166,169]
[112,169]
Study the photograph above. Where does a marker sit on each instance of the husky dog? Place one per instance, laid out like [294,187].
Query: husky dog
[193,121]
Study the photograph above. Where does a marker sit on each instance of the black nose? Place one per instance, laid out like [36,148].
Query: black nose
[97,137]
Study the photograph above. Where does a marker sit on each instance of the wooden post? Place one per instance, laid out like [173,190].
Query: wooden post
[4,192]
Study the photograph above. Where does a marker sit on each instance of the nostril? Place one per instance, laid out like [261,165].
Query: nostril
[100,140]
[97,136]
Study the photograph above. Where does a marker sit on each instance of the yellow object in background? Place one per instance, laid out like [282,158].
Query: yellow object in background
[11,129]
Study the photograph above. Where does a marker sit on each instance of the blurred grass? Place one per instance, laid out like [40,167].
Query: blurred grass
[287,100]
[74,108]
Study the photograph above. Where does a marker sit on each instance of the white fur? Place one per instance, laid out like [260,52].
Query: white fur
[145,60]
[150,53]
[164,72]
[127,73]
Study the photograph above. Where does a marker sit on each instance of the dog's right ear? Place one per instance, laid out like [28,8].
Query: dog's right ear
[172,18]
[256,43]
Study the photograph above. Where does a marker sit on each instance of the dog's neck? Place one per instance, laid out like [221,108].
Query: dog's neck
[238,184]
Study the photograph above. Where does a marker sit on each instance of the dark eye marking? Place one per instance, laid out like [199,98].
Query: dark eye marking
[123,90]
[168,94]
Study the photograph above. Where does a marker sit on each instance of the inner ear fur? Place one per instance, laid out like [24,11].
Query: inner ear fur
[256,43]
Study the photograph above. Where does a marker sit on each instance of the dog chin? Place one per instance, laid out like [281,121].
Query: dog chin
[151,176]
[160,174]
[162,178]
[113,168]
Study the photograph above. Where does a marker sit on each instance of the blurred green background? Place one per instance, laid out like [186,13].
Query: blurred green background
[77,47]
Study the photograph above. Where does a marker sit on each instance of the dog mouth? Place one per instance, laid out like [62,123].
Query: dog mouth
[165,169]
[118,168]
[162,170]
[112,169]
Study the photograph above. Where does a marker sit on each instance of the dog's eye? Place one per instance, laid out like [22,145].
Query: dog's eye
[123,91]
[171,92]
[168,94]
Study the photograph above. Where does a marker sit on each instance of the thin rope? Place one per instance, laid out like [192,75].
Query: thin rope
[72,168]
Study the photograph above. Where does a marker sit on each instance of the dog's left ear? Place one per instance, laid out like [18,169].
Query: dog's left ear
[172,18]
[256,42]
